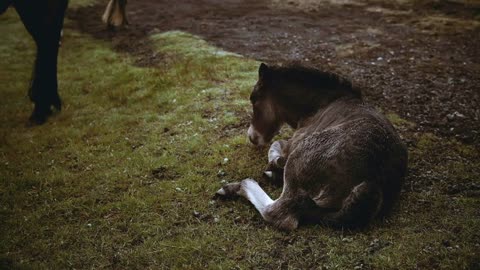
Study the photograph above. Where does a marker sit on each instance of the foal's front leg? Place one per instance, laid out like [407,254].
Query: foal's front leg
[277,158]
[276,212]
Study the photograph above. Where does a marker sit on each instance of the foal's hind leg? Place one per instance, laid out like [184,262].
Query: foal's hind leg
[278,212]
[276,160]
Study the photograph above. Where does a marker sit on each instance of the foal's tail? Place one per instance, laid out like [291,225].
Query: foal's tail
[362,205]
[115,14]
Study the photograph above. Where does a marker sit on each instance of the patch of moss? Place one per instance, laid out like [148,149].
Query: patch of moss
[399,122]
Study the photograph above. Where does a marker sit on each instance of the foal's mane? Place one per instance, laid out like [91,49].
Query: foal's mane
[316,79]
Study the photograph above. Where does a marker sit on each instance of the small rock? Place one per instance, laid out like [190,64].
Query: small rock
[377,245]
[446,243]
[347,239]
[454,115]
[221,173]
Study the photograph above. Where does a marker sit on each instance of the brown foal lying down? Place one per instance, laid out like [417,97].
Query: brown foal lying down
[345,163]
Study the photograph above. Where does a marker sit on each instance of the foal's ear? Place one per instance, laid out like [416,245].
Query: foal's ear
[263,71]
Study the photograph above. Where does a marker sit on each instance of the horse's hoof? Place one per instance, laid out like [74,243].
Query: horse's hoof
[57,104]
[39,115]
[36,120]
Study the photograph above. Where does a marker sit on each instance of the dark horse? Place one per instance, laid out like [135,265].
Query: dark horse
[43,19]
[344,165]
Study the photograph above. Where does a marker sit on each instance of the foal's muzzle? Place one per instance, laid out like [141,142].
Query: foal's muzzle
[255,137]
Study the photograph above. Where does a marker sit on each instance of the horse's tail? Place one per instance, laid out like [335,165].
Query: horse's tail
[359,208]
[115,14]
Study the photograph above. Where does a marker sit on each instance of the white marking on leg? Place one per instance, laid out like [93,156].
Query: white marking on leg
[275,151]
[107,13]
[255,194]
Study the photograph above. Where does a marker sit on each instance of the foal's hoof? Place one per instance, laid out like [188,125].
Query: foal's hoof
[229,190]
[275,176]
[276,164]
[274,170]
[279,162]
[268,174]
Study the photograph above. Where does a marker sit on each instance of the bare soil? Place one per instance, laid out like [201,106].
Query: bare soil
[421,61]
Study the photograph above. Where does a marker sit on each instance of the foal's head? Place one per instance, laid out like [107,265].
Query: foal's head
[266,120]
[289,94]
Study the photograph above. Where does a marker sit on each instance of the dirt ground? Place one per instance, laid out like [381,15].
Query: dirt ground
[421,60]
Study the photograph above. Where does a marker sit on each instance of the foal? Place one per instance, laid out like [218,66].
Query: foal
[344,165]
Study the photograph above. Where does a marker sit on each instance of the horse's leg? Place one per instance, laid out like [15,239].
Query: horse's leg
[44,88]
[44,21]
[115,14]
[277,157]
[278,212]
[122,5]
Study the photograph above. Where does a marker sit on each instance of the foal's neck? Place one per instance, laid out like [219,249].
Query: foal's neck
[299,118]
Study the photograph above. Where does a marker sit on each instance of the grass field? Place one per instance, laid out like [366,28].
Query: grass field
[124,176]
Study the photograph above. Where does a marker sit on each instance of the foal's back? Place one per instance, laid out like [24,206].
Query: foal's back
[349,160]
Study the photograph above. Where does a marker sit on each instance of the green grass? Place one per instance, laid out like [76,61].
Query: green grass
[113,181]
